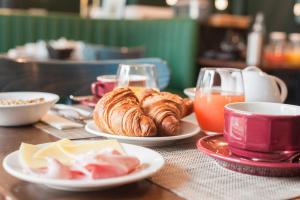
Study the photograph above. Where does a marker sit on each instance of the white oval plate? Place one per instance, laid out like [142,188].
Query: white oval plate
[151,162]
[188,130]
[190,92]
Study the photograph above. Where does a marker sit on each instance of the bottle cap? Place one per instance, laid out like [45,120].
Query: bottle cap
[294,37]
[259,22]
[277,36]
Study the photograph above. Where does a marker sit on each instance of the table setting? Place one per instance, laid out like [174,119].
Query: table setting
[226,141]
[68,50]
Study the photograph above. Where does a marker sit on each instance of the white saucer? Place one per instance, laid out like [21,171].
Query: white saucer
[190,92]
[151,162]
[188,130]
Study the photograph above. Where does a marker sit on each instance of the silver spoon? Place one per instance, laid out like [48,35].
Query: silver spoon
[73,114]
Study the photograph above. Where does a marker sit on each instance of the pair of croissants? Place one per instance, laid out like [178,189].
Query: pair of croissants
[152,113]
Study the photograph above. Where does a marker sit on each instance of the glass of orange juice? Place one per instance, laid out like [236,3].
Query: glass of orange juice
[137,77]
[216,87]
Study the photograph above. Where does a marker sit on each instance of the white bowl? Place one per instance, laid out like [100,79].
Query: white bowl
[190,92]
[23,114]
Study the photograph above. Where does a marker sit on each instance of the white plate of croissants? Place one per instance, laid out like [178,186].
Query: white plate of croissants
[151,118]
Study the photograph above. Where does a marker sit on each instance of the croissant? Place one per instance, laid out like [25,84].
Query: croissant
[166,109]
[118,112]
[188,107]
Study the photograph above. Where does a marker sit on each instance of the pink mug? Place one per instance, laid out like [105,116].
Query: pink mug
[104,84]
[262,130]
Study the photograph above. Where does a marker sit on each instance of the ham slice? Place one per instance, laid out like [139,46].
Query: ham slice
[94,165]
[57,170]
[112,164]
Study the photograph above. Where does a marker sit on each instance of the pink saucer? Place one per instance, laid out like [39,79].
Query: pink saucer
[90,102]
[217,147]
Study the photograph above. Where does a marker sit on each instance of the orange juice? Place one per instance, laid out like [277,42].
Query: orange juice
[209,109]
[138,90]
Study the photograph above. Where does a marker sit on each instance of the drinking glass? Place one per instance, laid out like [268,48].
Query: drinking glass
[216,87]
[137,77]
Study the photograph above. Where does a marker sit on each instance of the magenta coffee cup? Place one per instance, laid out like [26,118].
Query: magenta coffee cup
[104,84]
[262,130]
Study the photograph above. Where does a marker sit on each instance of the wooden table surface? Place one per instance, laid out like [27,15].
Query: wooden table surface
[12,188]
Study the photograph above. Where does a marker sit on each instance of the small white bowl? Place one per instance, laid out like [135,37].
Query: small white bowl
[190,92]
[23,114]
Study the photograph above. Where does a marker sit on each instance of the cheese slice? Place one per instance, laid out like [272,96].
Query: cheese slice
[85,147]
[26,158]
[55,152]
[33,156]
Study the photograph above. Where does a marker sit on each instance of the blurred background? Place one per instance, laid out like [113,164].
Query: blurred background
[280,15]
[186,34]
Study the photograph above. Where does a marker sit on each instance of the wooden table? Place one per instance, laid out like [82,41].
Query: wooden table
[12,188]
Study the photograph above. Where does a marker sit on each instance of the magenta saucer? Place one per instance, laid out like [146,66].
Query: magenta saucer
[217,147]
[90,102]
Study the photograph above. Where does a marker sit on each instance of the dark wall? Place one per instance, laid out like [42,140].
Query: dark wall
[148,2]
[51,5]
[279,14]
[64,5]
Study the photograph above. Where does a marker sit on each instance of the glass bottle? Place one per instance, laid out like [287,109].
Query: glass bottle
[274,53]
[255,41]
[293,50]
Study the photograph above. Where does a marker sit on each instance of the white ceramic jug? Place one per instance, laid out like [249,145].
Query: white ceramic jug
[259,86]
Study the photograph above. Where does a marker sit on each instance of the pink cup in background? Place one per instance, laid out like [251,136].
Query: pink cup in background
[262,130]
[104,84]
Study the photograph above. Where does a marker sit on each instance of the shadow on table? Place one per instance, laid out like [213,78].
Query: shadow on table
[131,191]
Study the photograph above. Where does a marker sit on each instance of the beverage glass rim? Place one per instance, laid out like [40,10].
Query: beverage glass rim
[209,91]
[107,77]
[144,65]
[148,70]
[221,69]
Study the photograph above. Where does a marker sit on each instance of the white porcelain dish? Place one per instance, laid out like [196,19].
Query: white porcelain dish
[151,162]
[190,92]
[262,87]
[188,130]
[23,114]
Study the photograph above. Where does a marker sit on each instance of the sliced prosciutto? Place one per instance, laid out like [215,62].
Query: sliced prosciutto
[111,164]
[93,165]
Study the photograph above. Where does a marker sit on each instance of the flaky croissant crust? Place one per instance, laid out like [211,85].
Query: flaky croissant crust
[166,109]
[118,112]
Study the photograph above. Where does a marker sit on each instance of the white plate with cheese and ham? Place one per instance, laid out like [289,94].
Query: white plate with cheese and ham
[82,165]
